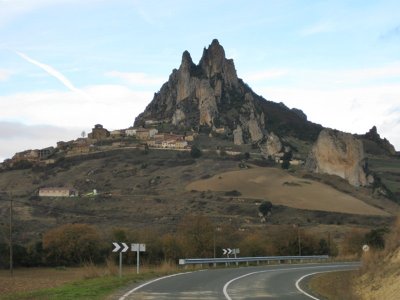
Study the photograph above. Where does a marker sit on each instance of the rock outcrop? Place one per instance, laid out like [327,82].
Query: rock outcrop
[272,146]
[339,153]
[373,136]
[210,95]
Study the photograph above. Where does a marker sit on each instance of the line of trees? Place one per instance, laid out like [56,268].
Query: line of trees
[195,236]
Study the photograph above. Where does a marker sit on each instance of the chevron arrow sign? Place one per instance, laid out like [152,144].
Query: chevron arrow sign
[227,251]
[118,248]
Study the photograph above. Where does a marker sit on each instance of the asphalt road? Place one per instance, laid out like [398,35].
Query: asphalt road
[266,282]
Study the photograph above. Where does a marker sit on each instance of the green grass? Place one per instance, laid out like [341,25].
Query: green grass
[95,288]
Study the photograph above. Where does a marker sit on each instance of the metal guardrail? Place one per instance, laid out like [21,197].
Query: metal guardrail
[199,261]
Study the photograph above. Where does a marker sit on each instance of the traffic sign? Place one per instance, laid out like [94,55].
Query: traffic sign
[227,251]
[138,247]
[117,247]
[122,247]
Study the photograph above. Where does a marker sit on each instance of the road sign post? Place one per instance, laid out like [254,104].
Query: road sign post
[121,250]
[138,248]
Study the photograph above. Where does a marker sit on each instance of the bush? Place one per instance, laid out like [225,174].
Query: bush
[233,193]
[72,244]
[195,152]
[265,208]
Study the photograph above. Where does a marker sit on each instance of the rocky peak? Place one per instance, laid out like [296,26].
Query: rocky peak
[187,61]
[213,59]
[201,95]
[210,96]
[213,62]
[384,144]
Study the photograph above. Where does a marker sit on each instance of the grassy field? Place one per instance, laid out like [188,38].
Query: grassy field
[281,188]
[71,283]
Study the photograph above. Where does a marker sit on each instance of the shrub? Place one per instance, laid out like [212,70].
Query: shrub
[195,152]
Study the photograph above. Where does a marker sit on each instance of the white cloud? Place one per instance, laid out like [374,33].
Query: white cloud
[353,110]
[115,107]
[136,78]
[17,137]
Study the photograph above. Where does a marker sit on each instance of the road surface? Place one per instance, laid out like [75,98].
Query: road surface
[250,283]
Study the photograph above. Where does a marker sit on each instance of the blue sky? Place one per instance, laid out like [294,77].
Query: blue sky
[66,65]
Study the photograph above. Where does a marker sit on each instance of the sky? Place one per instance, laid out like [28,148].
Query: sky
[66,65]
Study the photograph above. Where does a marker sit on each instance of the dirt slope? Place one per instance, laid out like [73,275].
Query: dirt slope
[282,188]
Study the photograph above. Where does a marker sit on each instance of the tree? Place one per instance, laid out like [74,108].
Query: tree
[195,152]
[170,247]
[72,244]
[265,208]
[375,238]
[196,233]
[287,157]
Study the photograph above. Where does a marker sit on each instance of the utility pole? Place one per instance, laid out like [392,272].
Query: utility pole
[10,237]
[298,236]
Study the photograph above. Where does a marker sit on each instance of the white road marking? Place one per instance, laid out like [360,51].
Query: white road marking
[276,270]
[311,274]
[123,297]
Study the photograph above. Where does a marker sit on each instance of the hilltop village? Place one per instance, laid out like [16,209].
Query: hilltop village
[101,139]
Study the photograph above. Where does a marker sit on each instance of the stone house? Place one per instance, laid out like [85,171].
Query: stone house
[99,133]
[58,192]
[130,131]
[146,133]
[117,133]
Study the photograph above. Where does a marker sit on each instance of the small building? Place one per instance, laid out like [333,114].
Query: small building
[46,152]
[117,133]
[99,133]
[130,131]
[146,133]
[58,192]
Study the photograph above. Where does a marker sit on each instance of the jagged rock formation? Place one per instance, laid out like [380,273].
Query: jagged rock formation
[210,96]
[273,145]
[374,144]
[339,153]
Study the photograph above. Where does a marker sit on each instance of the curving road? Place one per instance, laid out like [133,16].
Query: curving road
[266,282]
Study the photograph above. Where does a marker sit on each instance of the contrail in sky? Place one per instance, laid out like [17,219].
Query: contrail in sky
[53,72]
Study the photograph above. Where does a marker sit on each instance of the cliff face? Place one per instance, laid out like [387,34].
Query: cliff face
[210,95]
[339,153]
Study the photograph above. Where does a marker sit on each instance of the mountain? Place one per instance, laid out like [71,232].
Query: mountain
[210,96]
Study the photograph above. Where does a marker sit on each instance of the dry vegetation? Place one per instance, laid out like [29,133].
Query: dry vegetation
[28,279]
[284,189]
[378,278]
[380,275]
